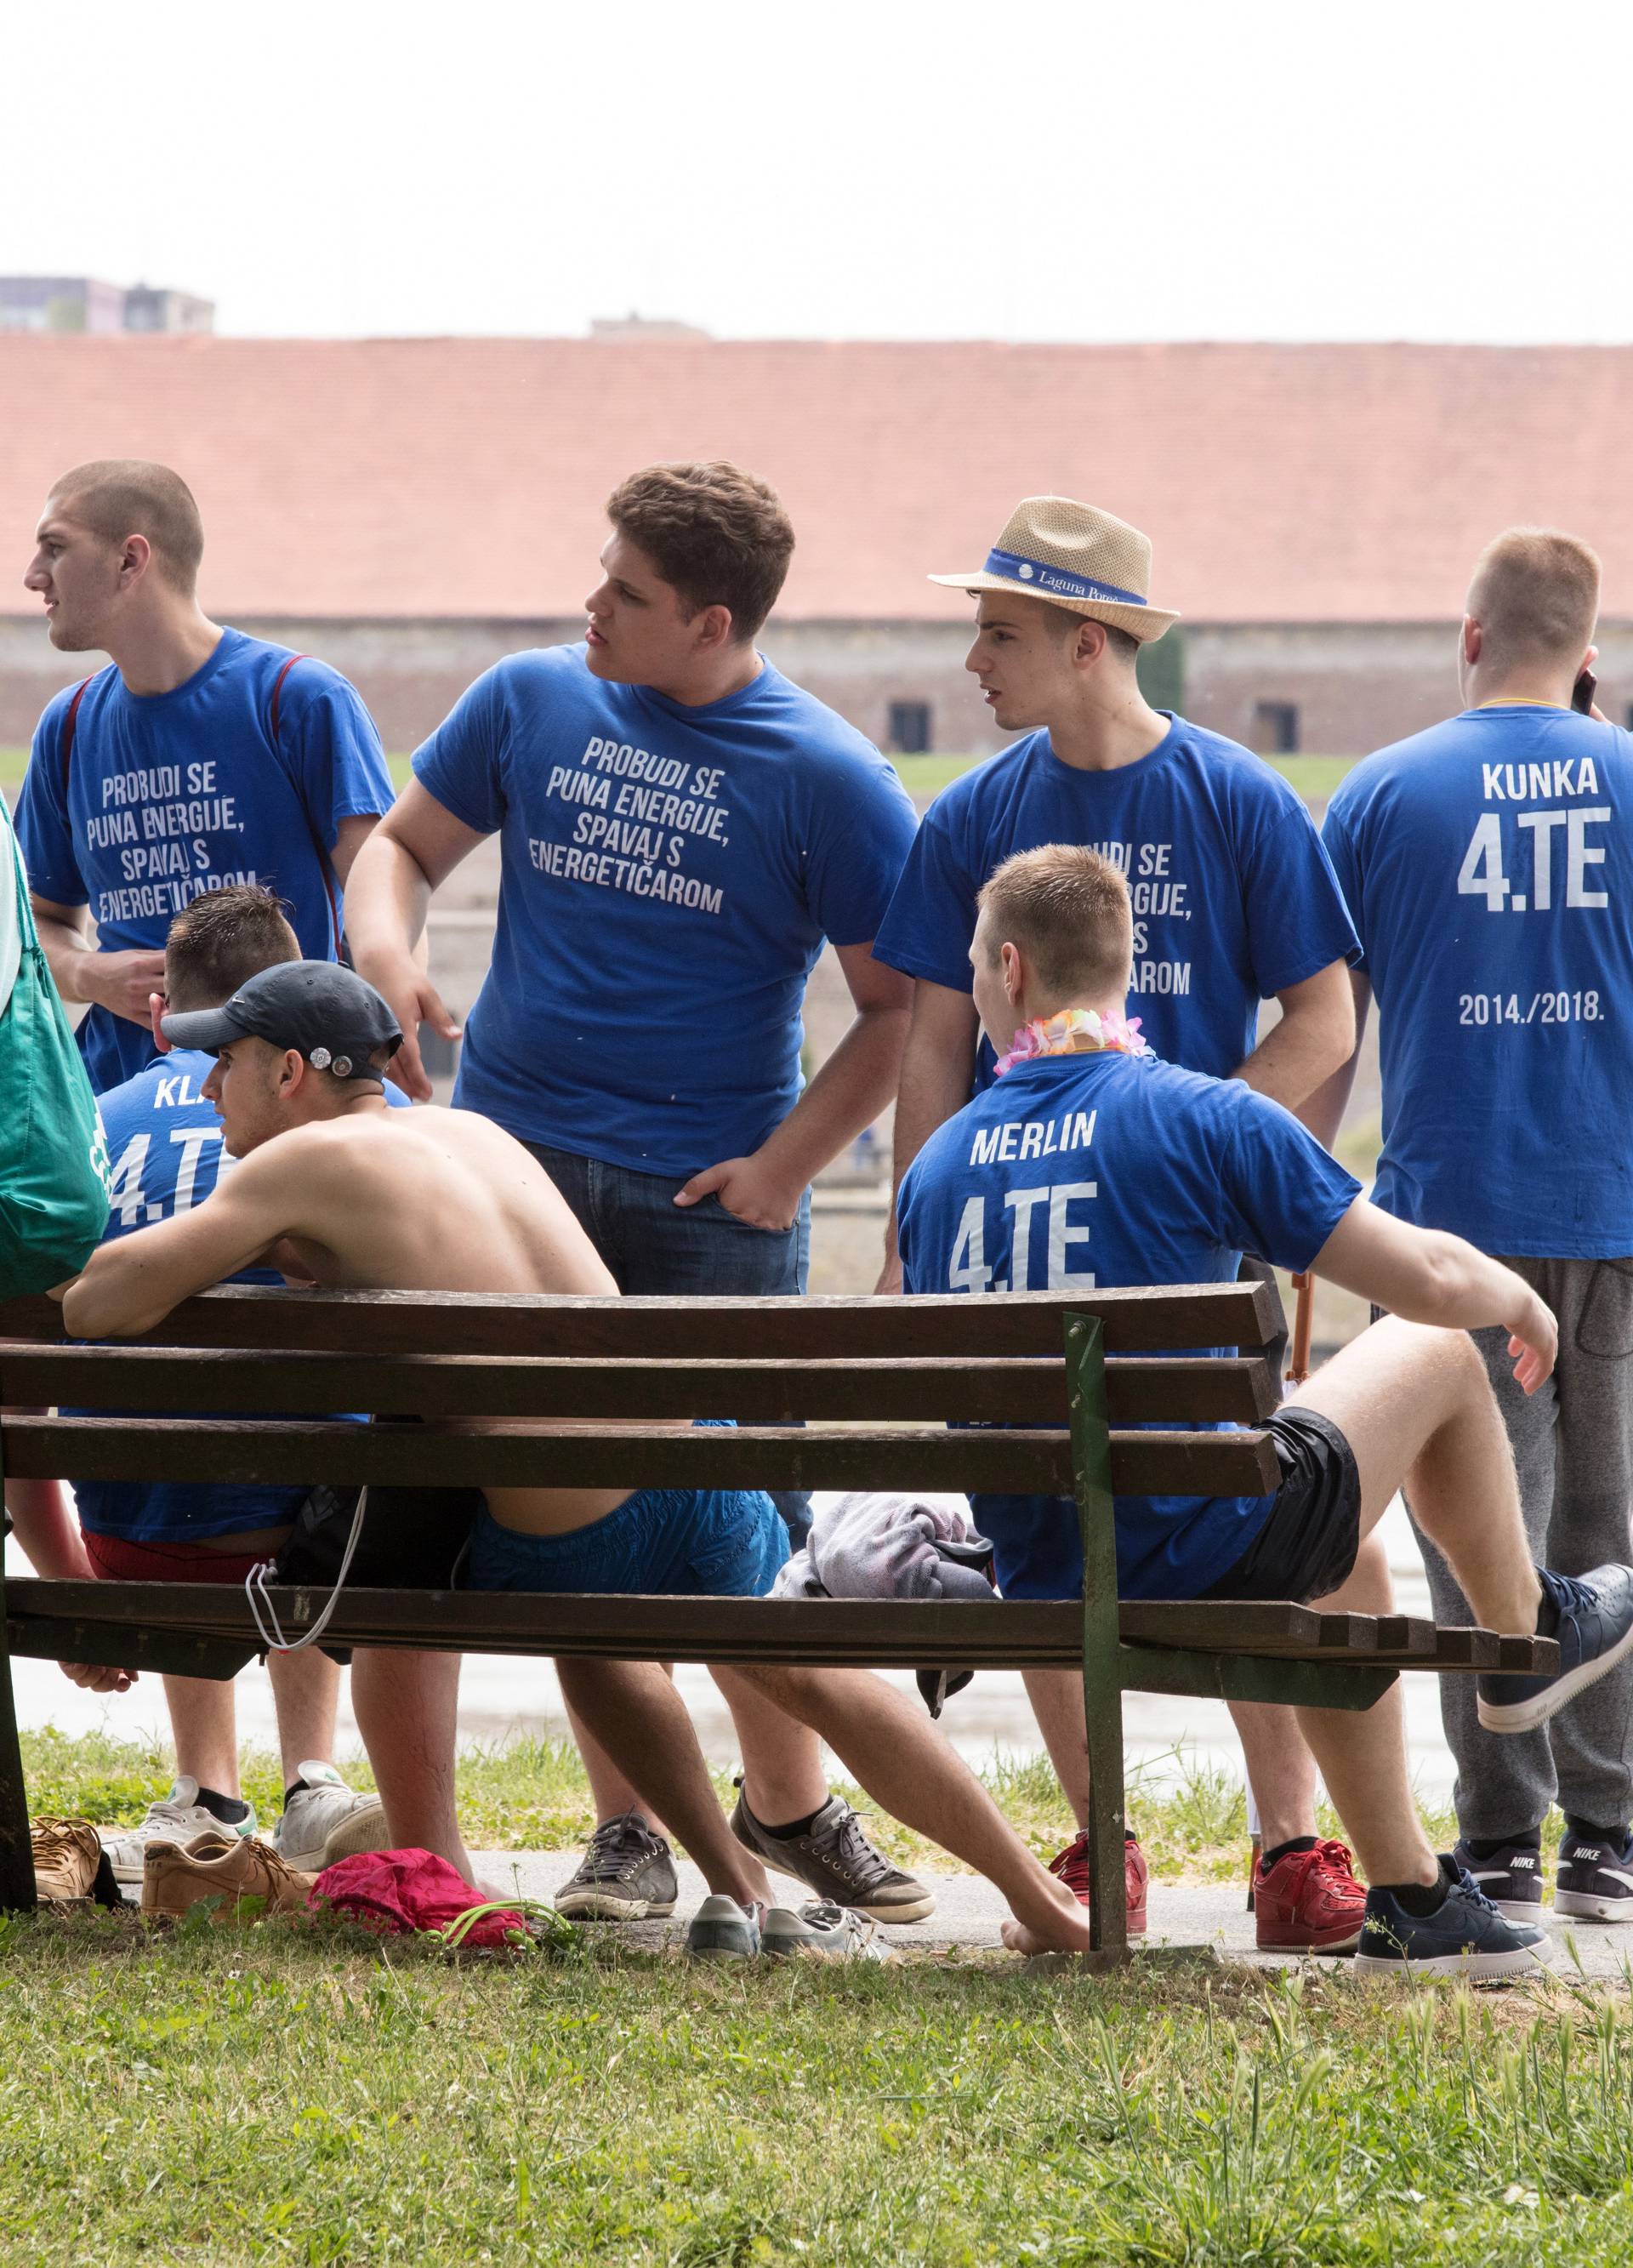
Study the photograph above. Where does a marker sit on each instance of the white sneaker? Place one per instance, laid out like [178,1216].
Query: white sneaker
[325,1820]
[177,1819]
[831,1933]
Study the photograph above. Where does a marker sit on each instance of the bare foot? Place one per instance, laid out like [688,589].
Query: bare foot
[1069,1936]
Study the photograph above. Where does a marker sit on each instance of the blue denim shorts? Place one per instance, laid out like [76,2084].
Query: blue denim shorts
[655,1247]
[692,1543]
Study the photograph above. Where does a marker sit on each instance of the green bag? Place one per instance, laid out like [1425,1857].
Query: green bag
[53,1168]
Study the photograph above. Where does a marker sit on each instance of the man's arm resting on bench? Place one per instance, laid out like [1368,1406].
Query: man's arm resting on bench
[1424,1276]
[131,1284]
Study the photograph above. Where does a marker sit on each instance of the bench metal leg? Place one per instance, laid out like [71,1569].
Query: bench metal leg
[1102,1685]
[16,1864]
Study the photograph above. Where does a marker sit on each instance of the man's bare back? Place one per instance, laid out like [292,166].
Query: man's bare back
[369,1199]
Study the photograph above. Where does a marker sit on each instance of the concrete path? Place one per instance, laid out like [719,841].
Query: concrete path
[1165,1737]
[969,1911]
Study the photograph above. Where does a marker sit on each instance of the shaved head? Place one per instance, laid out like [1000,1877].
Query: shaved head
[1535,597]
[117,498]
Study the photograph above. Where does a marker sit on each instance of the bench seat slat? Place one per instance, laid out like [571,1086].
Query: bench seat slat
[1012,1390]
[1137,1320]
[263,1451]
[882,1633]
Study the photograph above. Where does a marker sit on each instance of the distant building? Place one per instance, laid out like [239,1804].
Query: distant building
[61,303]
[620,330]
[80,303]
[149,308]
[411,509]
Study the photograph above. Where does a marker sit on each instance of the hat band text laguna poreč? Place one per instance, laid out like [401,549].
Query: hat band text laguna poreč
[1060,581]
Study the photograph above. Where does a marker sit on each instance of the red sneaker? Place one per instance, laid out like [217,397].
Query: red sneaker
[1072,1868]
[1309,1901]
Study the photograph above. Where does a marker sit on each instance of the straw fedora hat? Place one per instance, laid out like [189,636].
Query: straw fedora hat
[1072,556]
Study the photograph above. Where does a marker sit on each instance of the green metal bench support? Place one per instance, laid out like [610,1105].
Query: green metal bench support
[1110,1668]
[1102,1680]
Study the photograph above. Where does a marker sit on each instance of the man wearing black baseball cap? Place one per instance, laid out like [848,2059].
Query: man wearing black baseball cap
[324,1012]
[344,1191]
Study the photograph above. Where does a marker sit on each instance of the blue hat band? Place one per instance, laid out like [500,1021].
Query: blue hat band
[1058,582]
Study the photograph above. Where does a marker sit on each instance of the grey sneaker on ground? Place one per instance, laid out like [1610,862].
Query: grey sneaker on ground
[721,1930]
[325,1820]
[836,1860]
[830,1932]
[1594,1879]
[1511,1878]
[177,1818]
[626,1874]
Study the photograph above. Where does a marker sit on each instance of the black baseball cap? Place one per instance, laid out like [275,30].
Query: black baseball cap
[325,1013]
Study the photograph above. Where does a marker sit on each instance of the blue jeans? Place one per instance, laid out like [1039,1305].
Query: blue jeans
[655,1247]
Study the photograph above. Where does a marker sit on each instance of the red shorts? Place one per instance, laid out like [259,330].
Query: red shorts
[118,1560]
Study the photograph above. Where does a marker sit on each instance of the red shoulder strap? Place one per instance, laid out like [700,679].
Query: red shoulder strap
[71,724]
[278,688]
[324,861]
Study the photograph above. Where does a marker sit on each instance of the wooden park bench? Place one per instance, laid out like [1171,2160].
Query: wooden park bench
[1077,1395]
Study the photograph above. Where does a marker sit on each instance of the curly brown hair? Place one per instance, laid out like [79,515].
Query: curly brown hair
[714,532]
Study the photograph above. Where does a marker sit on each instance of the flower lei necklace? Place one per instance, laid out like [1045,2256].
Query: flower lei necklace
[1074,1032]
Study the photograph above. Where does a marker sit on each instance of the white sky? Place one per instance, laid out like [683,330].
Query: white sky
[1046,169]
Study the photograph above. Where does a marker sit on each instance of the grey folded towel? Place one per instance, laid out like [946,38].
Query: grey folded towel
[873,1543]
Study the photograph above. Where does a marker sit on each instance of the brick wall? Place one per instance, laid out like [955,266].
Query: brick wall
[1353,688]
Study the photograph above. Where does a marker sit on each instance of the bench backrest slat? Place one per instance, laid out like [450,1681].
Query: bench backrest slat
[1135,1322]
[1008,1389]
[631,1456]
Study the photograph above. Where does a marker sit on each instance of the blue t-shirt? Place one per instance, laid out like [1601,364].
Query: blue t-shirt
[164,1142]
[1487,867]
[669,875]
[1115,1169]
[1233,899]
[171,794]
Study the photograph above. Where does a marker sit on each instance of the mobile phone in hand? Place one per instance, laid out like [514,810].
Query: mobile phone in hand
[1583,691]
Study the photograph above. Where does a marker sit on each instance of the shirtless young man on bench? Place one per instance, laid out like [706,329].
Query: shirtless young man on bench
[335,1188]
[1089,1160]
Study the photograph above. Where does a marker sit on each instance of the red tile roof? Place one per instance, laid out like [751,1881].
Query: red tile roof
[465,477]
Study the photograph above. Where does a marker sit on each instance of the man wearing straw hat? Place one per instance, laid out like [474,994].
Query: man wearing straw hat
[1233,901]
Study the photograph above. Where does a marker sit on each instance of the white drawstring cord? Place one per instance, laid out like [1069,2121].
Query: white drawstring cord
[260,1601]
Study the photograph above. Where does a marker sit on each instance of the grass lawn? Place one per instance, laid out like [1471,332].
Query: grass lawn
[1315,776]
[527,1795]
[299,2093]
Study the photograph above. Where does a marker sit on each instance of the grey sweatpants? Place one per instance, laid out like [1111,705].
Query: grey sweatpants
[1573,1449]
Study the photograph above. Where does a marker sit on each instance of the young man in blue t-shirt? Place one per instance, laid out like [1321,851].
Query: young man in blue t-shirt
[1487,863]
[358,1195]
[1233,902]
[680,828]
[165,1140]
[1091,1161]
[200,757]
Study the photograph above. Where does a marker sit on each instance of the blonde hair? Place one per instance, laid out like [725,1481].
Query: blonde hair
[1535,596]
[1067,909]
[119,496]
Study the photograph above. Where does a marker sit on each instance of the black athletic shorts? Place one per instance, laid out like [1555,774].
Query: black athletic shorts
[1306,1548]
[412,1539]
